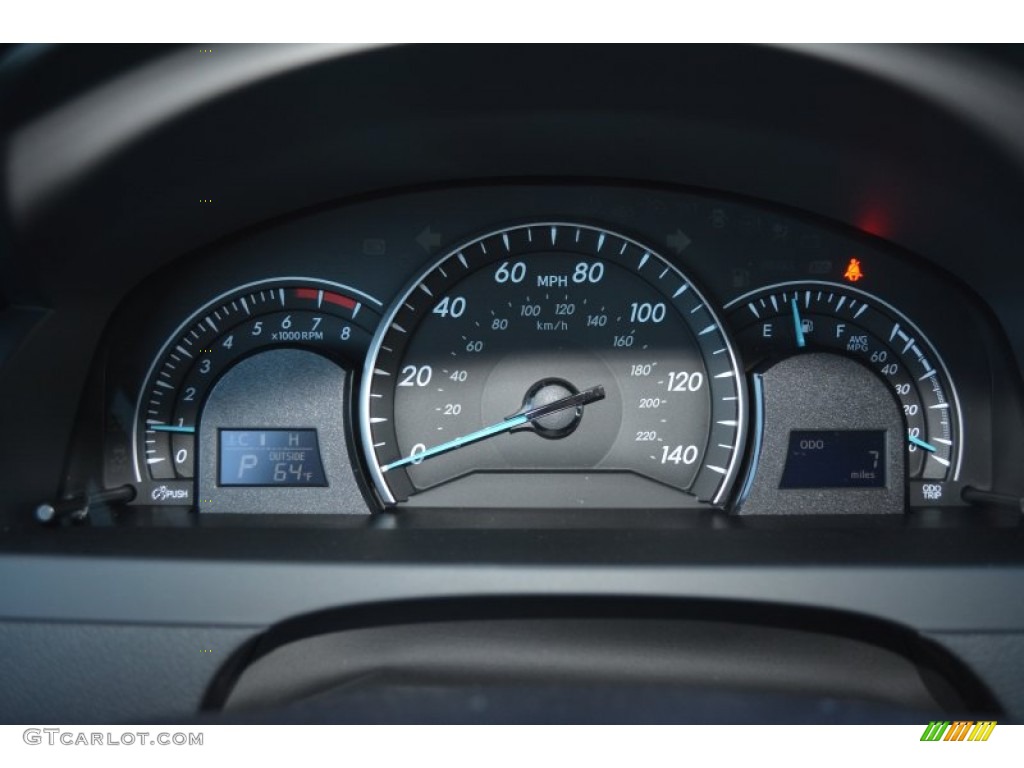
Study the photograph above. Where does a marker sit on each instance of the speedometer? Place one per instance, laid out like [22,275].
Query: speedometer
[552,363]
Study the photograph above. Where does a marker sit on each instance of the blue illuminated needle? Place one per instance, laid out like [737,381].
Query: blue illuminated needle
[921,443]
[798,324]
[167,428]
[524,415]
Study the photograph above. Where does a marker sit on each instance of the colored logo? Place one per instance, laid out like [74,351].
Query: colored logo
[960,730]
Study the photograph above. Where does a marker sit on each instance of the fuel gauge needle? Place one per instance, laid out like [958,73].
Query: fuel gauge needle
[523,416]
[798,323]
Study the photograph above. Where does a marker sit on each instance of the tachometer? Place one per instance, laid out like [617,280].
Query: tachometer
[334,320]
[559,362]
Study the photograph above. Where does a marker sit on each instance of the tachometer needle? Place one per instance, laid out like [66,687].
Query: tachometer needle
[799,325]
[921,443]
[524,415]
[167,428]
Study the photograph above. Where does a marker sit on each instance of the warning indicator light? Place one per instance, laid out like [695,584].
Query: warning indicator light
[853,271]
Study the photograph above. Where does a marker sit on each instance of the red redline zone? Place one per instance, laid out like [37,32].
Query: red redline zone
[330,297]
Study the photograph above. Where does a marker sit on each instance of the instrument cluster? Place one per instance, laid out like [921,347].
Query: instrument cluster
[549,347]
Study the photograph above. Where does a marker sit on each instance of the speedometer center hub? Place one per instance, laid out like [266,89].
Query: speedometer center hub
[556,425]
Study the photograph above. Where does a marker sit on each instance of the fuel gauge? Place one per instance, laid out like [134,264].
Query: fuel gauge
[788,319]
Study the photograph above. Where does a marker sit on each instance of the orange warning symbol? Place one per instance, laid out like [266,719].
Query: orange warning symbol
[853,271]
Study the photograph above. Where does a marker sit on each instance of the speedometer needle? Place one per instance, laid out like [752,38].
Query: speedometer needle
[524,415]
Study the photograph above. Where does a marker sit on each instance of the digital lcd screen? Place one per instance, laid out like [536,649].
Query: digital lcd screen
[286,458]
[835,459]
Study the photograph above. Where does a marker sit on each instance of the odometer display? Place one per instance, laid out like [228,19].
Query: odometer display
[538,315]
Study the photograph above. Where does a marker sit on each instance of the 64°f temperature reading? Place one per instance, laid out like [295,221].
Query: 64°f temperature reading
[270,457]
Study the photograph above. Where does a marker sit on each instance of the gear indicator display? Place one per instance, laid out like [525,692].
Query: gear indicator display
[270,458]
